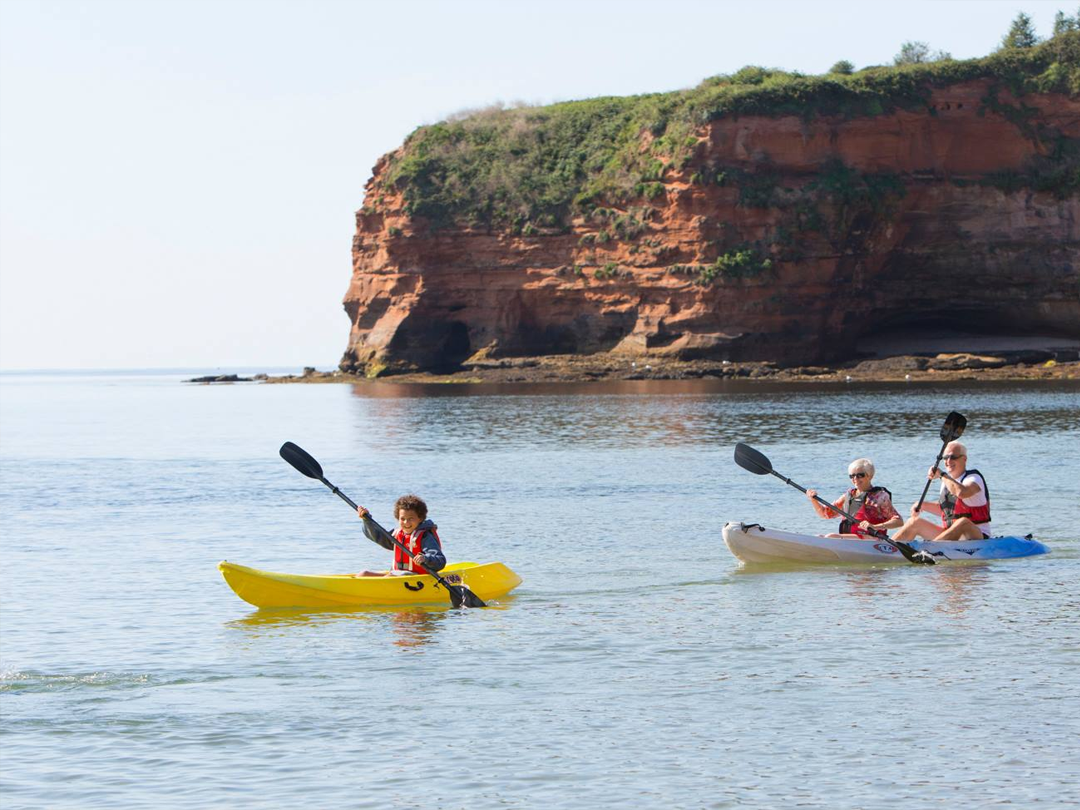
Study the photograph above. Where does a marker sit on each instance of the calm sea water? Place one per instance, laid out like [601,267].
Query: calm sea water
[638,665]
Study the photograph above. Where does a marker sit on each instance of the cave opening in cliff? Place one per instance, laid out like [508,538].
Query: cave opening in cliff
[456,346]
[948,330]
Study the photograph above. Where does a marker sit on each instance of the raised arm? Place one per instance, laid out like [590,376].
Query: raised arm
[374,531]
[824,511]
[964,491]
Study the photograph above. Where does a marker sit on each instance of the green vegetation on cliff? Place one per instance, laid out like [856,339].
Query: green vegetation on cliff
[531,169]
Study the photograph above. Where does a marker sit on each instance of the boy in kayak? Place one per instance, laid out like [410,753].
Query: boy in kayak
[964,503]
[414,531]
[871,506]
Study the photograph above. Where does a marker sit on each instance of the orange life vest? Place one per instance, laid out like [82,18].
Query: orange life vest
[414,542]
[953,507]
[868,511]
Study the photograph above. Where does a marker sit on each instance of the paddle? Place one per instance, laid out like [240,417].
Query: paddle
[750,459]
[952,430]
[304,463]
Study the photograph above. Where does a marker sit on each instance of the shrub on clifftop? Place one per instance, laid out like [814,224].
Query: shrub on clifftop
[529,168]
[918,53]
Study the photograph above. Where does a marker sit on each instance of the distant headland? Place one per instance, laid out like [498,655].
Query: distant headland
[763,221]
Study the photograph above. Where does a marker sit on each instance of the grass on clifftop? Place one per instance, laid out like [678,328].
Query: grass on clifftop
[535,167]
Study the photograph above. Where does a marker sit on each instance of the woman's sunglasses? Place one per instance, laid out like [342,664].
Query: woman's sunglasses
[857,475]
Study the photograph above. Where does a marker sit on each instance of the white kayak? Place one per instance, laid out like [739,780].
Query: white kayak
[753,543]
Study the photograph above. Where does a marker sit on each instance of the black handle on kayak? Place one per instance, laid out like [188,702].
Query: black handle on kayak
[306,464]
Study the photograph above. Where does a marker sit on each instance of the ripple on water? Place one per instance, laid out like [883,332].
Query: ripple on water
[33,682]
[638,665]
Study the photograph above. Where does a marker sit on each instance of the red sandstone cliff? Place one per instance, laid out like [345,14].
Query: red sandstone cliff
[939,246]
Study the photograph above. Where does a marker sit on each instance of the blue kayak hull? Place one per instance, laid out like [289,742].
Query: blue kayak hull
[754,543]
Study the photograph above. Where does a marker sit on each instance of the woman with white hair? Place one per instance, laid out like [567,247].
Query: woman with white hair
[871,506]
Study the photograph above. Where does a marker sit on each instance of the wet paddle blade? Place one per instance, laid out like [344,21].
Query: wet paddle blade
[750,459]
[918,557]
[460,595]
[953,428]
[301,460]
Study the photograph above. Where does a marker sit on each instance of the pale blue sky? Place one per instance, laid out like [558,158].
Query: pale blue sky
[178,179]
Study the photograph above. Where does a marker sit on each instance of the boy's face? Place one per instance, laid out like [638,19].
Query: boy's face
[408,520]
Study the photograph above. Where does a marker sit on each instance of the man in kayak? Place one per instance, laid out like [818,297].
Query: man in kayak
[414,531]
[871,506]
[963,505]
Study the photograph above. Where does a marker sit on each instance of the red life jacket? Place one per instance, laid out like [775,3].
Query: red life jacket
[953,507]
[868,511]
[403,561]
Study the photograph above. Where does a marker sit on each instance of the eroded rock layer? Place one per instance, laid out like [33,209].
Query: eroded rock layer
[780,238]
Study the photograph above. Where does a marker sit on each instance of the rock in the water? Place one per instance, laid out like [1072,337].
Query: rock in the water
[220,378]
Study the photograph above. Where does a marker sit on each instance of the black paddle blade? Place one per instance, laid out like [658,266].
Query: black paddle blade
[301,460]
[953,428]
[911,555]
[750,459]
[460,595]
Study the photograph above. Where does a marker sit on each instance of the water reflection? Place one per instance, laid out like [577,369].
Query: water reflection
[415,627]
[869,585]
[694,413]
[959,586]
[412,626]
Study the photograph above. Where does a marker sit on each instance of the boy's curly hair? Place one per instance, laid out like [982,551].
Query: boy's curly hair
[411,502]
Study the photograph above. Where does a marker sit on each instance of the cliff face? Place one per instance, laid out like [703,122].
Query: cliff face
[779,238]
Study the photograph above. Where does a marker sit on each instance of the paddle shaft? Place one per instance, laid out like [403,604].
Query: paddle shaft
[944,475]
[926,489]
[876,532]
[397,542]
[952,430]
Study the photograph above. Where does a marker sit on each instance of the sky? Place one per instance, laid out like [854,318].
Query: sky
[178,180]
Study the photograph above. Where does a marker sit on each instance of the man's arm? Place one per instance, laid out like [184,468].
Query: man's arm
[960,489]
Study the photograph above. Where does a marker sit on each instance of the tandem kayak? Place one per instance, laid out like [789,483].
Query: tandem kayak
[753,543]
[269,589]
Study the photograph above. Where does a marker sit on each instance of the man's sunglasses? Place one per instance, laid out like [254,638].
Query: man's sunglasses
[952,457]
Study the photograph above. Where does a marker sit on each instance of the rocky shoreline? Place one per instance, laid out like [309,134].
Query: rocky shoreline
[1026,364]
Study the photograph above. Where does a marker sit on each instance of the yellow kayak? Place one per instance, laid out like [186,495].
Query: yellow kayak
[266,589]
